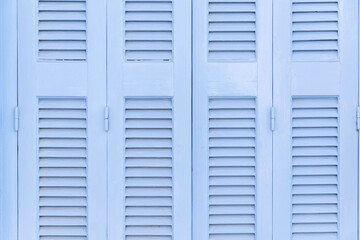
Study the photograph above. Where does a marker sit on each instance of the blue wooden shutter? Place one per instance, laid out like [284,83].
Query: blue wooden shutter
[232,136]
[149,73]
[62,144]
[315,142]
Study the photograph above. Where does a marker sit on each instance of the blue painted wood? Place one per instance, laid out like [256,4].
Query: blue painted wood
[135,181]
[8,137]
[62,143]
[149,99]
[316,143]
[232,145]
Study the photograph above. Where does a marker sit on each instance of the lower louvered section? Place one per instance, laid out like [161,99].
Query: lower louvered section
[315,140]
[148,169]
[232,173]
[62,174]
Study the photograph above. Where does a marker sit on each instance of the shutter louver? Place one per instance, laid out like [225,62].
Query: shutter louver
[62,169]
[315,30]
[148,30]
[148,168]
[232,162]
[232,30]
[315,141]
[62,30]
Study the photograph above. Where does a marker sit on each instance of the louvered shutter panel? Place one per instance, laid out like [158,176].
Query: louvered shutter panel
[62,173]
[231,30]
[315,96]
[232,168]
[315,30]
[149,100]
[148,30]
[62,30]
[315,190]
[62,143]
[148,168]
[232,137]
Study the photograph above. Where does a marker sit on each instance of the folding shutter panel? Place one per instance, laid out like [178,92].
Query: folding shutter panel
[149,72]
[62,151]
[8,139]
[232,136]
[315,142]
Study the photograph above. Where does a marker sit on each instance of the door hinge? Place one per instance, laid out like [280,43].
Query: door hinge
[16,119]
[106,118]
[272,119]
[358,118]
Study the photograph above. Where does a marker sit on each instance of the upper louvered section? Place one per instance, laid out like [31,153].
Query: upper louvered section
[315,32]
[232,161]
[148,30]
[148,169]
[62,172]
[315,141]
[232,30]
[62,30]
